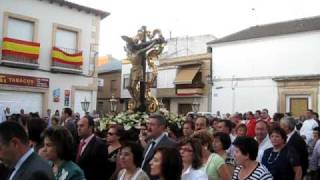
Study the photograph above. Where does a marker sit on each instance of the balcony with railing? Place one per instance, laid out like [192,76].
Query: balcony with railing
[189,82]
[66,60]
[196,88]
[20,53]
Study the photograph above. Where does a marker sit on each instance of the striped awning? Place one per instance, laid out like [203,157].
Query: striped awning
[186,75]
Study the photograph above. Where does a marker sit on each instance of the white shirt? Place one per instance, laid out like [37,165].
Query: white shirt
[290,135]
[232,137]
[307,128]
[138,175]
[156,143]
[2,114]
[159,139]
[7,113]
[20,162]
[191,174]
[149,147]
[265,144]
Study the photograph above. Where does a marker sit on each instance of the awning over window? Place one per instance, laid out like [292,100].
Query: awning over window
[186,75]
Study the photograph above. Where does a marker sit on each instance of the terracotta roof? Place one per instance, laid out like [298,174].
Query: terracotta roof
[111,66]
[274,29]
[79,7]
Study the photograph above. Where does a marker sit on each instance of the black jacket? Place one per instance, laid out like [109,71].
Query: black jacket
[164,142]
[93,160]
[300,146]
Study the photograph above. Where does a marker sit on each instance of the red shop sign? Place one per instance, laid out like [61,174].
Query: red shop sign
[9,79]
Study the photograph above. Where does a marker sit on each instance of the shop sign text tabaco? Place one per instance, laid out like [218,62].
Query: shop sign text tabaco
[26,81]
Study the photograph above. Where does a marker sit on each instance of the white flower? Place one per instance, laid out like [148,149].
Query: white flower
[64,174]
[127,127]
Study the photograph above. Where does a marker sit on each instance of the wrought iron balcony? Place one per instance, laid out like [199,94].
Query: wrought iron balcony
[16,61]
[196,88]
[19,53]
[66,60]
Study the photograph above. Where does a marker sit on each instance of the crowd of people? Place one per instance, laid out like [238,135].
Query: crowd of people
[250,146]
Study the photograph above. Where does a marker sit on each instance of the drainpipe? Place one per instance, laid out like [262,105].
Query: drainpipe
[210,81]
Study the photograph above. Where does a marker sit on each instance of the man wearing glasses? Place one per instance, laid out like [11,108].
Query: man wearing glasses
[157,126]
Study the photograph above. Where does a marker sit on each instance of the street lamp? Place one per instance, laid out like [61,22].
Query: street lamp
[161,105]
[195,105]
[85,105]
[113,104]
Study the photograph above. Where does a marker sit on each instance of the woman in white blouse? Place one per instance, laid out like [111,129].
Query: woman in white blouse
[190,150]
[130,160]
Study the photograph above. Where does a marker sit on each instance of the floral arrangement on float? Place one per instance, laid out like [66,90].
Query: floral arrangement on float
[131,120]
[172,117]
[127,119]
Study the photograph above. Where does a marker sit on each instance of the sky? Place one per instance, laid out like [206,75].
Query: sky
[182,18]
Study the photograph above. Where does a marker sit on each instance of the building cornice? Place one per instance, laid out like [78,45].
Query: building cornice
[274,78]
[100,13]
[297,77]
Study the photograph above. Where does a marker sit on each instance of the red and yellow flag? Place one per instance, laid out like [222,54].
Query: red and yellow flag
[20,49]
[60,56]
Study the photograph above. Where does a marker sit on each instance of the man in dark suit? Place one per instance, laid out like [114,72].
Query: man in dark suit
[19,157]
[3,171]
[92,151]
[296,141]
[157,126]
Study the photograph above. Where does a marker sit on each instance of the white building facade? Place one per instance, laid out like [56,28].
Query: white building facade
[273,66]
[62,37]
[183,71]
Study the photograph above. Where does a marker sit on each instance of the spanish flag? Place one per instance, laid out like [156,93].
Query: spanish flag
[20,49]
[63,57]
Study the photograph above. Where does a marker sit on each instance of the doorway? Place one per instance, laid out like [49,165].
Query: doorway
[298,105]
[183,109]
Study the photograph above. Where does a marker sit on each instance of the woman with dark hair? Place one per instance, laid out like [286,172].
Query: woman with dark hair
[166,164]
[35,127]
[246,151]
[282,161]
[221,143]
[130,158]
[58,148]
[191,153]
[277,117]
[213,164]
[114,136]
[174,132]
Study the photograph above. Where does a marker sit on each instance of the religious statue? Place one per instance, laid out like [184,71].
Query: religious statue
[146,46]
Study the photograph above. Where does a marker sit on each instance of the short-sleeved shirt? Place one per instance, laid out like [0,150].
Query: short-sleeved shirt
[281,164]
[212,166]
[259,173]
